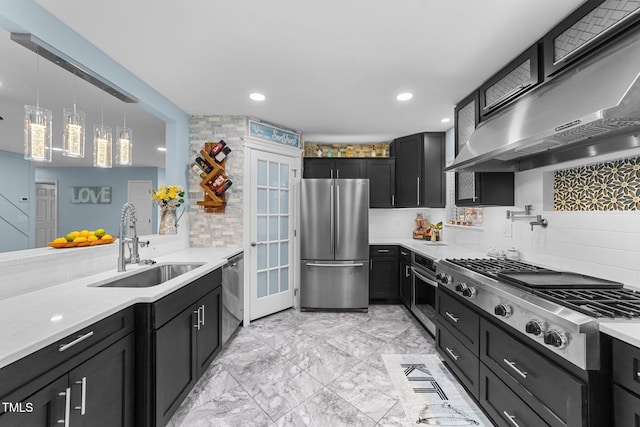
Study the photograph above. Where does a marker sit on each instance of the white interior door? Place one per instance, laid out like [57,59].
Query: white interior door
[46,227]
[140,196]
[272,224]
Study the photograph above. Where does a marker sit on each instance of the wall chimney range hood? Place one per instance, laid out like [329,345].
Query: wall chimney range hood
[588,110]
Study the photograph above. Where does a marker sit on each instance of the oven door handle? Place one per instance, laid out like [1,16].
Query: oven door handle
[428,280]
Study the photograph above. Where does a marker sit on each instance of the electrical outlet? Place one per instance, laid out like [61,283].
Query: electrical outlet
[507,231]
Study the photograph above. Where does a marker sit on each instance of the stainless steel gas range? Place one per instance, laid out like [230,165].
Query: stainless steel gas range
[534,335]
[558,311]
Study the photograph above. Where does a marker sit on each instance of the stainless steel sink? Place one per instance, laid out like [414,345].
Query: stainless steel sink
[153,276]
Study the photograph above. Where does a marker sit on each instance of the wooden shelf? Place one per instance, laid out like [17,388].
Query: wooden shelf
[212,203]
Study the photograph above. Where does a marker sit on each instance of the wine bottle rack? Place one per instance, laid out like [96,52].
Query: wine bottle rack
[212,203]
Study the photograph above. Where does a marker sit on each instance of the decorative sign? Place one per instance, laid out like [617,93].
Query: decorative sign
[91,195]
[274,134]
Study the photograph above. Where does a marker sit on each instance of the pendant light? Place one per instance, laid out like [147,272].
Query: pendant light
[74,129]
[37,127]
[124,144]
[102,143]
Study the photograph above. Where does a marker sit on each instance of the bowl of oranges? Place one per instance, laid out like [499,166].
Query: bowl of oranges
[76,239]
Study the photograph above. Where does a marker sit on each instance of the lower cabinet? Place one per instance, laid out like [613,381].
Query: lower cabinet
[184,336]
[405,277]
[383,274]
[626,384]
[99,392]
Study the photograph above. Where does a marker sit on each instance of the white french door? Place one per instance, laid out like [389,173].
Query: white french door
[271,233]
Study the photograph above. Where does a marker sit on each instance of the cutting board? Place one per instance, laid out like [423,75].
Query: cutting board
[547,279]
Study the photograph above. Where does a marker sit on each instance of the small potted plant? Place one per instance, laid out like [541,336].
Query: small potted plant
[434,231]
[168,197]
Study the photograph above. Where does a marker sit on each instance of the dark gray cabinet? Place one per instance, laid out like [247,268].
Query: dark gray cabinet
[514,80]
[379,171]
[382,182]
[405,277]
[182,335]
[587,28]
[626,384]
[478,188]
[420,178]
[383,273]
[90,383]
[328,167]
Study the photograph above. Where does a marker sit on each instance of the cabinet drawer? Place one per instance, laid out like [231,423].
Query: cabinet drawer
[459,318]
[626,366]
[383,250]
[503,406]
[460,359]
[558,397]
[43,361]
[171,305]
[626,408]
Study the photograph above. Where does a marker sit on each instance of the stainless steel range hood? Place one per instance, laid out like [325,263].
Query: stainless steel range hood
[590,110]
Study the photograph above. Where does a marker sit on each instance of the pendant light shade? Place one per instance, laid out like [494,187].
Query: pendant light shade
[102,146]
[37,133]
[74,133]
[124,146]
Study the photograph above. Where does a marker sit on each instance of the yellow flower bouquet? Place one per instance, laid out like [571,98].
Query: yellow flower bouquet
[168,195]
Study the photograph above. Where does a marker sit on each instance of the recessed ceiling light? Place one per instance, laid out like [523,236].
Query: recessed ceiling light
[162,149]
[446,120]
[257,96]
[404,96]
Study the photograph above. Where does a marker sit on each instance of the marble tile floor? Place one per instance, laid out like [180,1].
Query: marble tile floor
[309,369]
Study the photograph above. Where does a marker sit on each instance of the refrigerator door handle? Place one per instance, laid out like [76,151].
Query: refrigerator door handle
[358,264]
[331,220]
[337,217]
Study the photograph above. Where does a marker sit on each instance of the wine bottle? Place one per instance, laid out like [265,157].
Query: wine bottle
[206,167]
[220,191]
[217,182]
[222,154]
[216,148]
[197,169]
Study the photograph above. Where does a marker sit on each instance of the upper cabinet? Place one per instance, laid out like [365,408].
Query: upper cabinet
[521,75]
[588,27]
[420,179]
[326,167]
[478,188]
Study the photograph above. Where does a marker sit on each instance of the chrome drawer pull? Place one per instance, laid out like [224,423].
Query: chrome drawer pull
[452,353]
[63,347]
[511,418]
[383,251]
[638,375]
[513,366]
[202,307]
[83,400]
[67,406]
[452,317]
[403,253]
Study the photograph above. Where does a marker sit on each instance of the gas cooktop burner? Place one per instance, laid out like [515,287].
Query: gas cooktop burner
[491,267]
[611,303]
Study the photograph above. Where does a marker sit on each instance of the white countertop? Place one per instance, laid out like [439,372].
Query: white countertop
[627,331]
[36,319]
[438,250]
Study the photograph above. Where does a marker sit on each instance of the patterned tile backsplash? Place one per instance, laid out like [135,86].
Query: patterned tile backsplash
[609,186]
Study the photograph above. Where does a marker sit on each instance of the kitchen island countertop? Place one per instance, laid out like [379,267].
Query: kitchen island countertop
[36,319]
[628,332]
[438,250]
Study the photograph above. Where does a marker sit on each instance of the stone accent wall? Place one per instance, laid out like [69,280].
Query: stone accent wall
[214,229]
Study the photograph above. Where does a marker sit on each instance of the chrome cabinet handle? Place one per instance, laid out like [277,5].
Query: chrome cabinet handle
[452,353]
[370,263]
[511,418]
[83,400]
[358,264]
[383,251]
[406,271]
[337,173]
[197,325]
[418,192]
[403,252]
[393,200]
[638,375]
[452,317]
[63,347]
[202,320]
[67,406]
[513,366]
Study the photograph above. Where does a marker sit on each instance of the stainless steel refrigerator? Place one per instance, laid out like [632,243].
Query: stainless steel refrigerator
[334,234]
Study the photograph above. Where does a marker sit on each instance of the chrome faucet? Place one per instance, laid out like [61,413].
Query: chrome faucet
[128,218]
